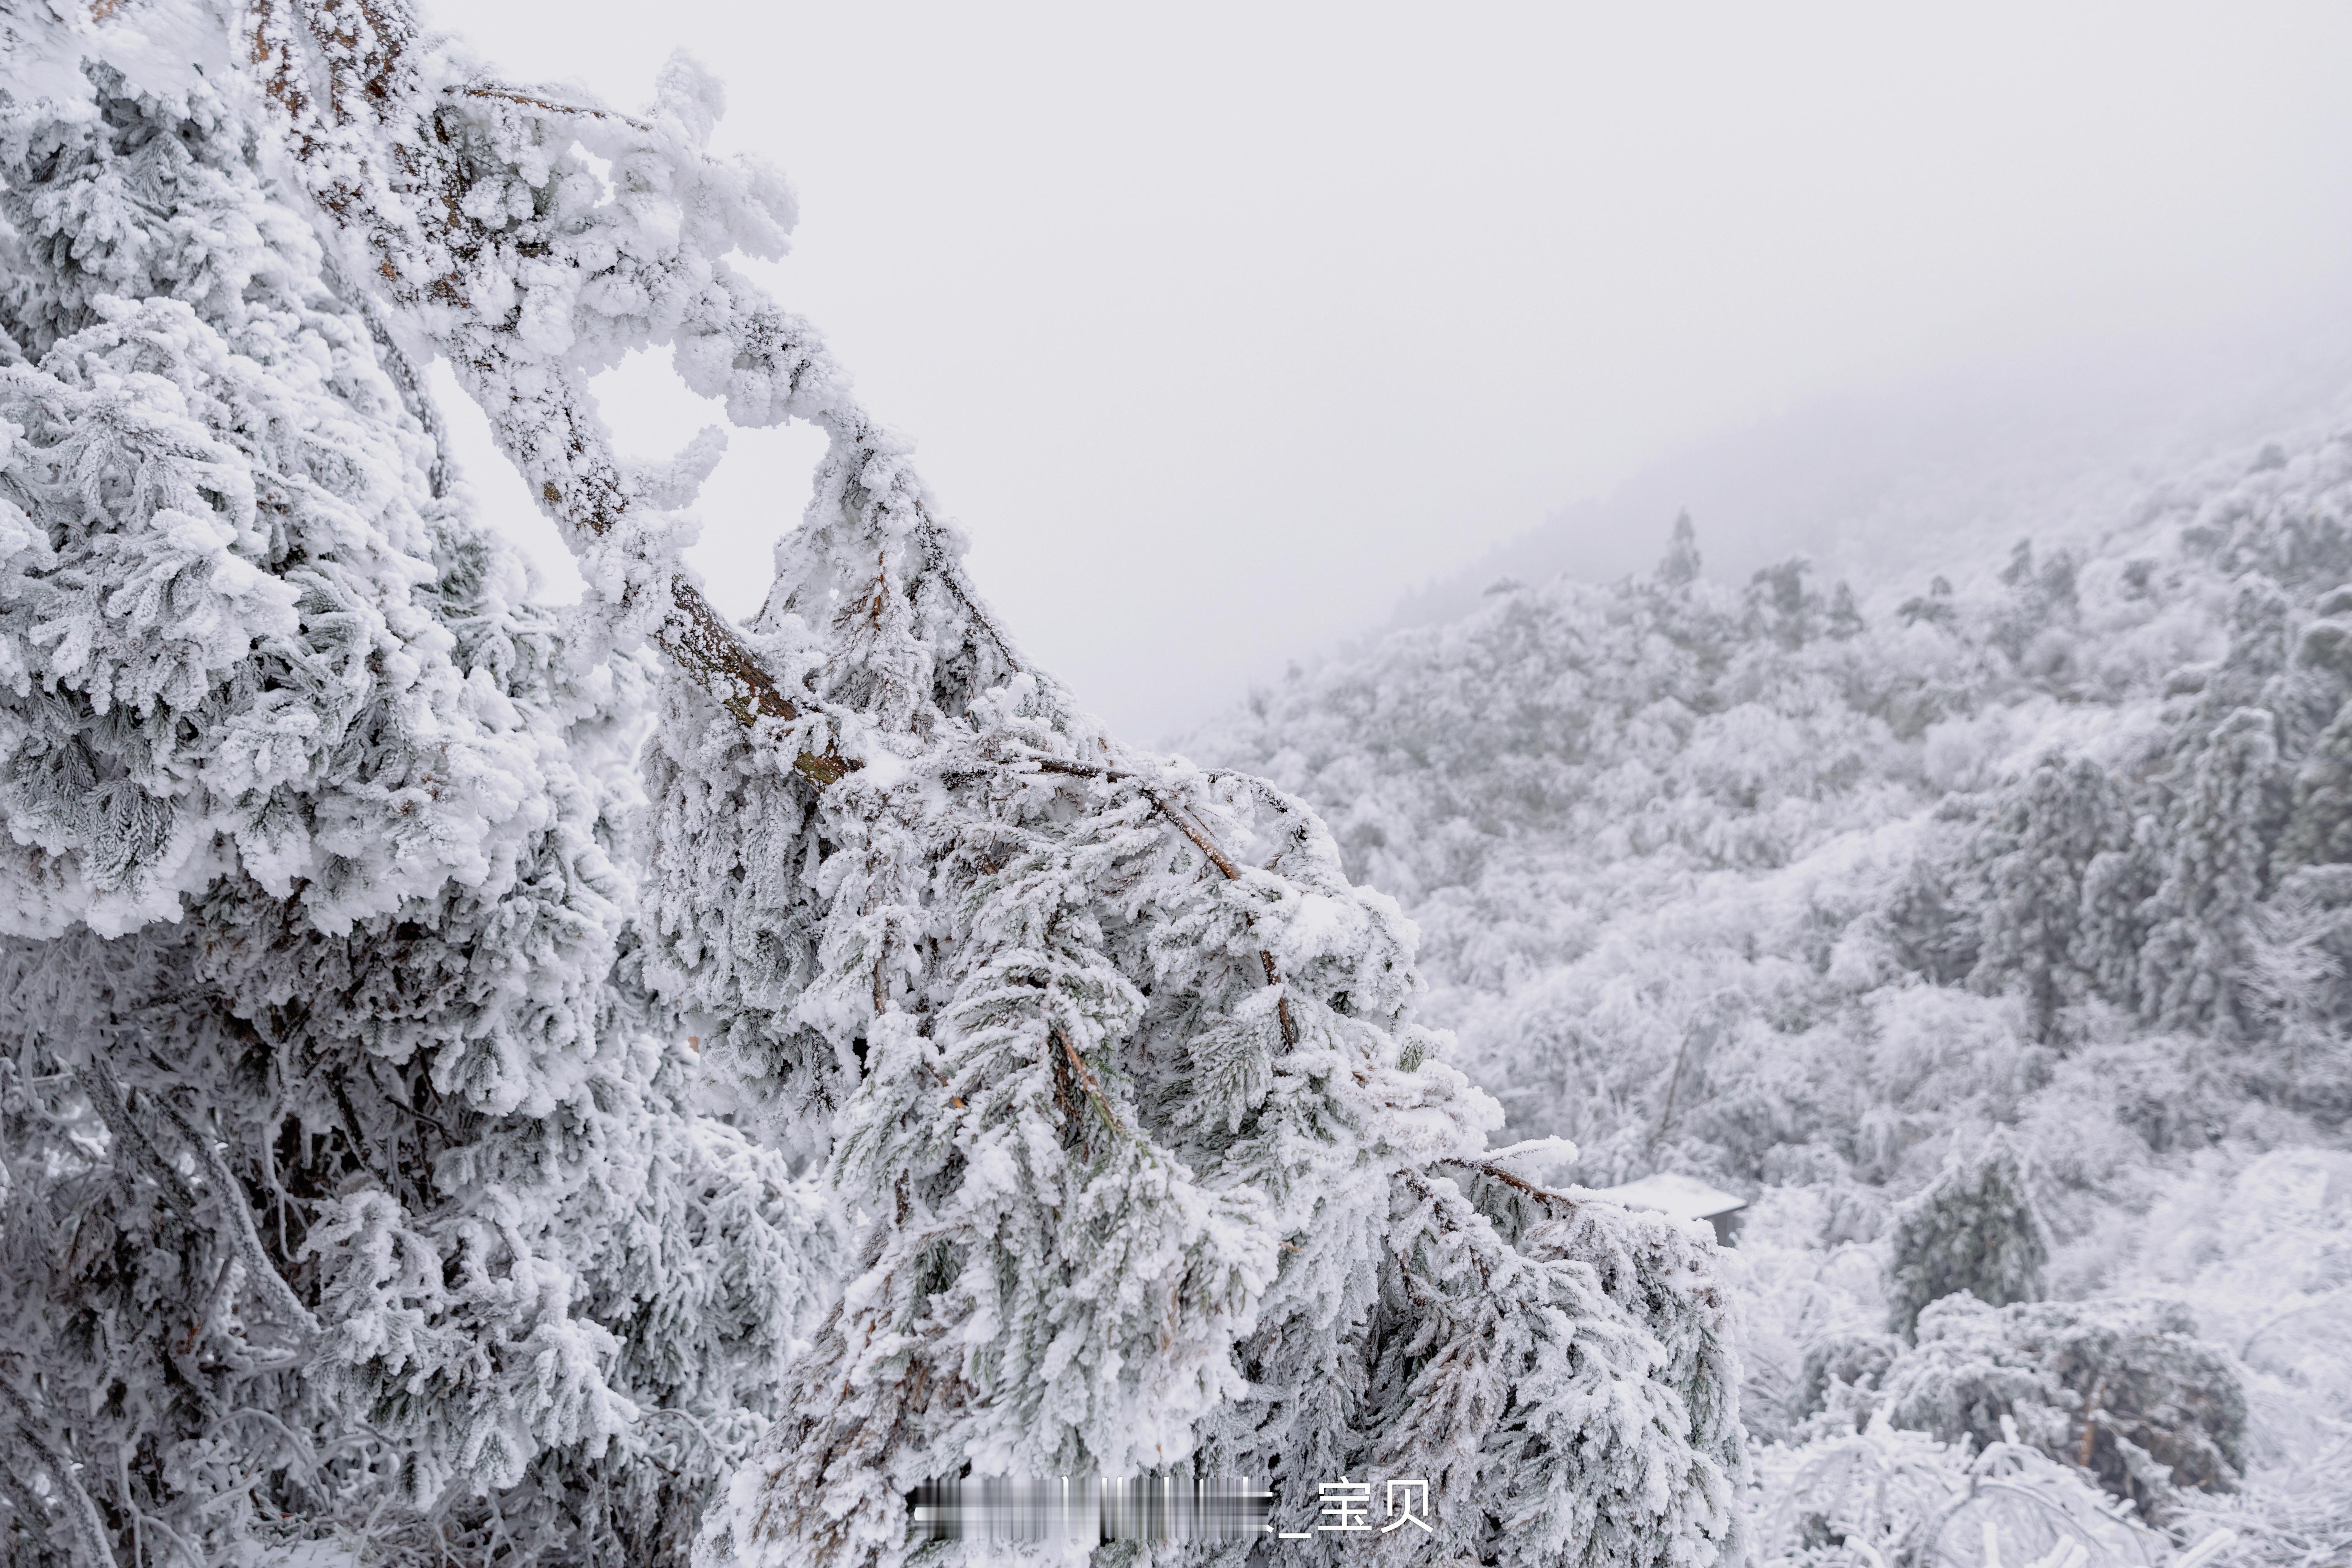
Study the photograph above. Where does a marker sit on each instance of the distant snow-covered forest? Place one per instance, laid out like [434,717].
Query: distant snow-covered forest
[1812,891]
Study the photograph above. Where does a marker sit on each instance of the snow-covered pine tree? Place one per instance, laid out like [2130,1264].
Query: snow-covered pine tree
[1974,1229]
[2032,852]
[2043,606]
[1846,617]
[2254,667]
[1114,1068]
[1935,607]
[351,1189]
[1681,562]
[2217,853]
[2119,888]
[1780,605]
[2319,820]
[1930,921]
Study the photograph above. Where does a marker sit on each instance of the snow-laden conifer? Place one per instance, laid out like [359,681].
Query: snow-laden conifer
[2034,850]
[1114,1071]
[352,1191]
[2191,966]
[1974,1230]
[2319,822]
[1681,562]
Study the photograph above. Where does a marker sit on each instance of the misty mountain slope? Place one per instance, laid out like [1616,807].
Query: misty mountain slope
[1921,476]
[1804,889]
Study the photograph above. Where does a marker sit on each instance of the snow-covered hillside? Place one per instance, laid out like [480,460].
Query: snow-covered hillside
[1808,888]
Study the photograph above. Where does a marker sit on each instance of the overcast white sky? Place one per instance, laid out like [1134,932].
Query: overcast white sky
[1219,326]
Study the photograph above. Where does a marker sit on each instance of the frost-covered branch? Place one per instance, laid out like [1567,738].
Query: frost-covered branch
[82,1518]
[1200,840]
[458,198]
[243,1241]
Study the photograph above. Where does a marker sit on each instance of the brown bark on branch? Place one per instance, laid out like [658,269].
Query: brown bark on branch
[1550,1198]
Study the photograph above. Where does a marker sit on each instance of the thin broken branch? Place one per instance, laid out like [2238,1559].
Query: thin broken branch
[1088,1081]
[89,1526]
[244,1240]
[96,1080]
[548,105]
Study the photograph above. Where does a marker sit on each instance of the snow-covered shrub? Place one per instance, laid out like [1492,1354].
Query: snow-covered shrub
[1841,1376]
[1887,1498]
[1830,1501]
[1801,1282]
[2304,1523]
[2124,1390]
[1974,1229]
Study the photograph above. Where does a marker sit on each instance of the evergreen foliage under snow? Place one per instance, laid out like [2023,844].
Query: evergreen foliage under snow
[491,1085]
[1973,1231]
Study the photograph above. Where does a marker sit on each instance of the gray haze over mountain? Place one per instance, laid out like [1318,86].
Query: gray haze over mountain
[1918,476]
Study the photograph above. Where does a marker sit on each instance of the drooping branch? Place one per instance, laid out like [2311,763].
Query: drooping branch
[1549,1197]
[1200,840]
